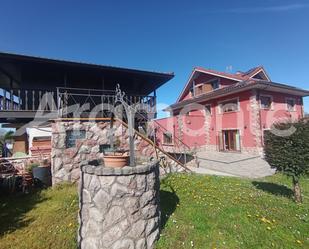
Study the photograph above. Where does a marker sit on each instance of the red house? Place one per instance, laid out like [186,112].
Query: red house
[229,112]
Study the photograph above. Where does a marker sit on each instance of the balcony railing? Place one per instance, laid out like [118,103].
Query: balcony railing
[67,100]
[26,99]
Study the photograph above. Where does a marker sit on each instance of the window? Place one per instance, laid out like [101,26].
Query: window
[265,102]
[103,147]
[198,89]
[290,103]
[72,136]
[215,84]
[167,138]
[208,109]
[229,140]
[229,106]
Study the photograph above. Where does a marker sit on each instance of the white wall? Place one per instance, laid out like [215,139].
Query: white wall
[38,132]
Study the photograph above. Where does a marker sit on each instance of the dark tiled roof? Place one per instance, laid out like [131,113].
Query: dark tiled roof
[223,74]
[237,76]
[239,86]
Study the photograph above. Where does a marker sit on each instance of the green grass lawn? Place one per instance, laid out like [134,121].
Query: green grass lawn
[42,220]
[216,212]
[198,212]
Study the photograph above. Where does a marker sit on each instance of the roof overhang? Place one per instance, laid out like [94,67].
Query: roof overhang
[240,87]
[146,80]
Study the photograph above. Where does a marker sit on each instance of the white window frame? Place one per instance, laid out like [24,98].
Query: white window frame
[239,133]
[220,111]
[286,103]
[271,102]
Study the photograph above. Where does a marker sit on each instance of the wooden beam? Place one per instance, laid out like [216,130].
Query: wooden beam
[65,78]
[82,119]
[9,76]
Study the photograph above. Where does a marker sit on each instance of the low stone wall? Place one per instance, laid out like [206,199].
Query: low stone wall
[66,160]
[119,208]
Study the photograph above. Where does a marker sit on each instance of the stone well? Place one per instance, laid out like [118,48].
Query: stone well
[119,208]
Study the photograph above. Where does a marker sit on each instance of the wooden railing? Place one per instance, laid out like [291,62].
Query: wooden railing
[27,99]
[60,99]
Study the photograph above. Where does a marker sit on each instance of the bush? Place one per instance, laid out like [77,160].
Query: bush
[31,166]
[288,151]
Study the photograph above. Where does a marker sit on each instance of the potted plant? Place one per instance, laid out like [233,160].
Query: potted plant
[114,156]
[31,166]
[27,174]
[42,173]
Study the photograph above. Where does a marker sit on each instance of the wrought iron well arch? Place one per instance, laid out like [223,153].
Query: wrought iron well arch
[130,113]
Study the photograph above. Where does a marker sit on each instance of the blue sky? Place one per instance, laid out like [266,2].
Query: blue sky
[165,36]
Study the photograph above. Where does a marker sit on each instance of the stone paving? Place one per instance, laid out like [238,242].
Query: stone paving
[234,164]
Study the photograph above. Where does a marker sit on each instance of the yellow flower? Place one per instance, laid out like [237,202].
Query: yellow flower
[265,220]
[268,228]
[299,242]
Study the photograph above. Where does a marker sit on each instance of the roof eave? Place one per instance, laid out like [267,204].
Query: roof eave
[240,88]
[205,72]
[167,75]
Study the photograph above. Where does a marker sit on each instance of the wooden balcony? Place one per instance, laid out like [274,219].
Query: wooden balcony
[23,104]
[27,104]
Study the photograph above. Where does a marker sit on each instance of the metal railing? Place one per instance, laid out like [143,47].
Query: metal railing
[94,98]
[62,98]
[178,151]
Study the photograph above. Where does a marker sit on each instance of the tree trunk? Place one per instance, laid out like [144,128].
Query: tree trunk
[297,191]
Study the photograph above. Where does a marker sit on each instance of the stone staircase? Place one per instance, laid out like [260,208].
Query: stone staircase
[145,147]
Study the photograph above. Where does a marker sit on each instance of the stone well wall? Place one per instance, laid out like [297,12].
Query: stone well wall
[119,208]
[66,161]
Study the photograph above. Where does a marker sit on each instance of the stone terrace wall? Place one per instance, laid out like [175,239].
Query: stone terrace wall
[119,208]
[66,161]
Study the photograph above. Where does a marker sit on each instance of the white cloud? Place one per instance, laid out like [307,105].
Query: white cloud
[280,8]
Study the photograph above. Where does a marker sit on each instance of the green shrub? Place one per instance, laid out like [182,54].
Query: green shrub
[287,150]
[31,166]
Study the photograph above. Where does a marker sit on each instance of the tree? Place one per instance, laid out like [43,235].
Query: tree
[288,151]
[5,137]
